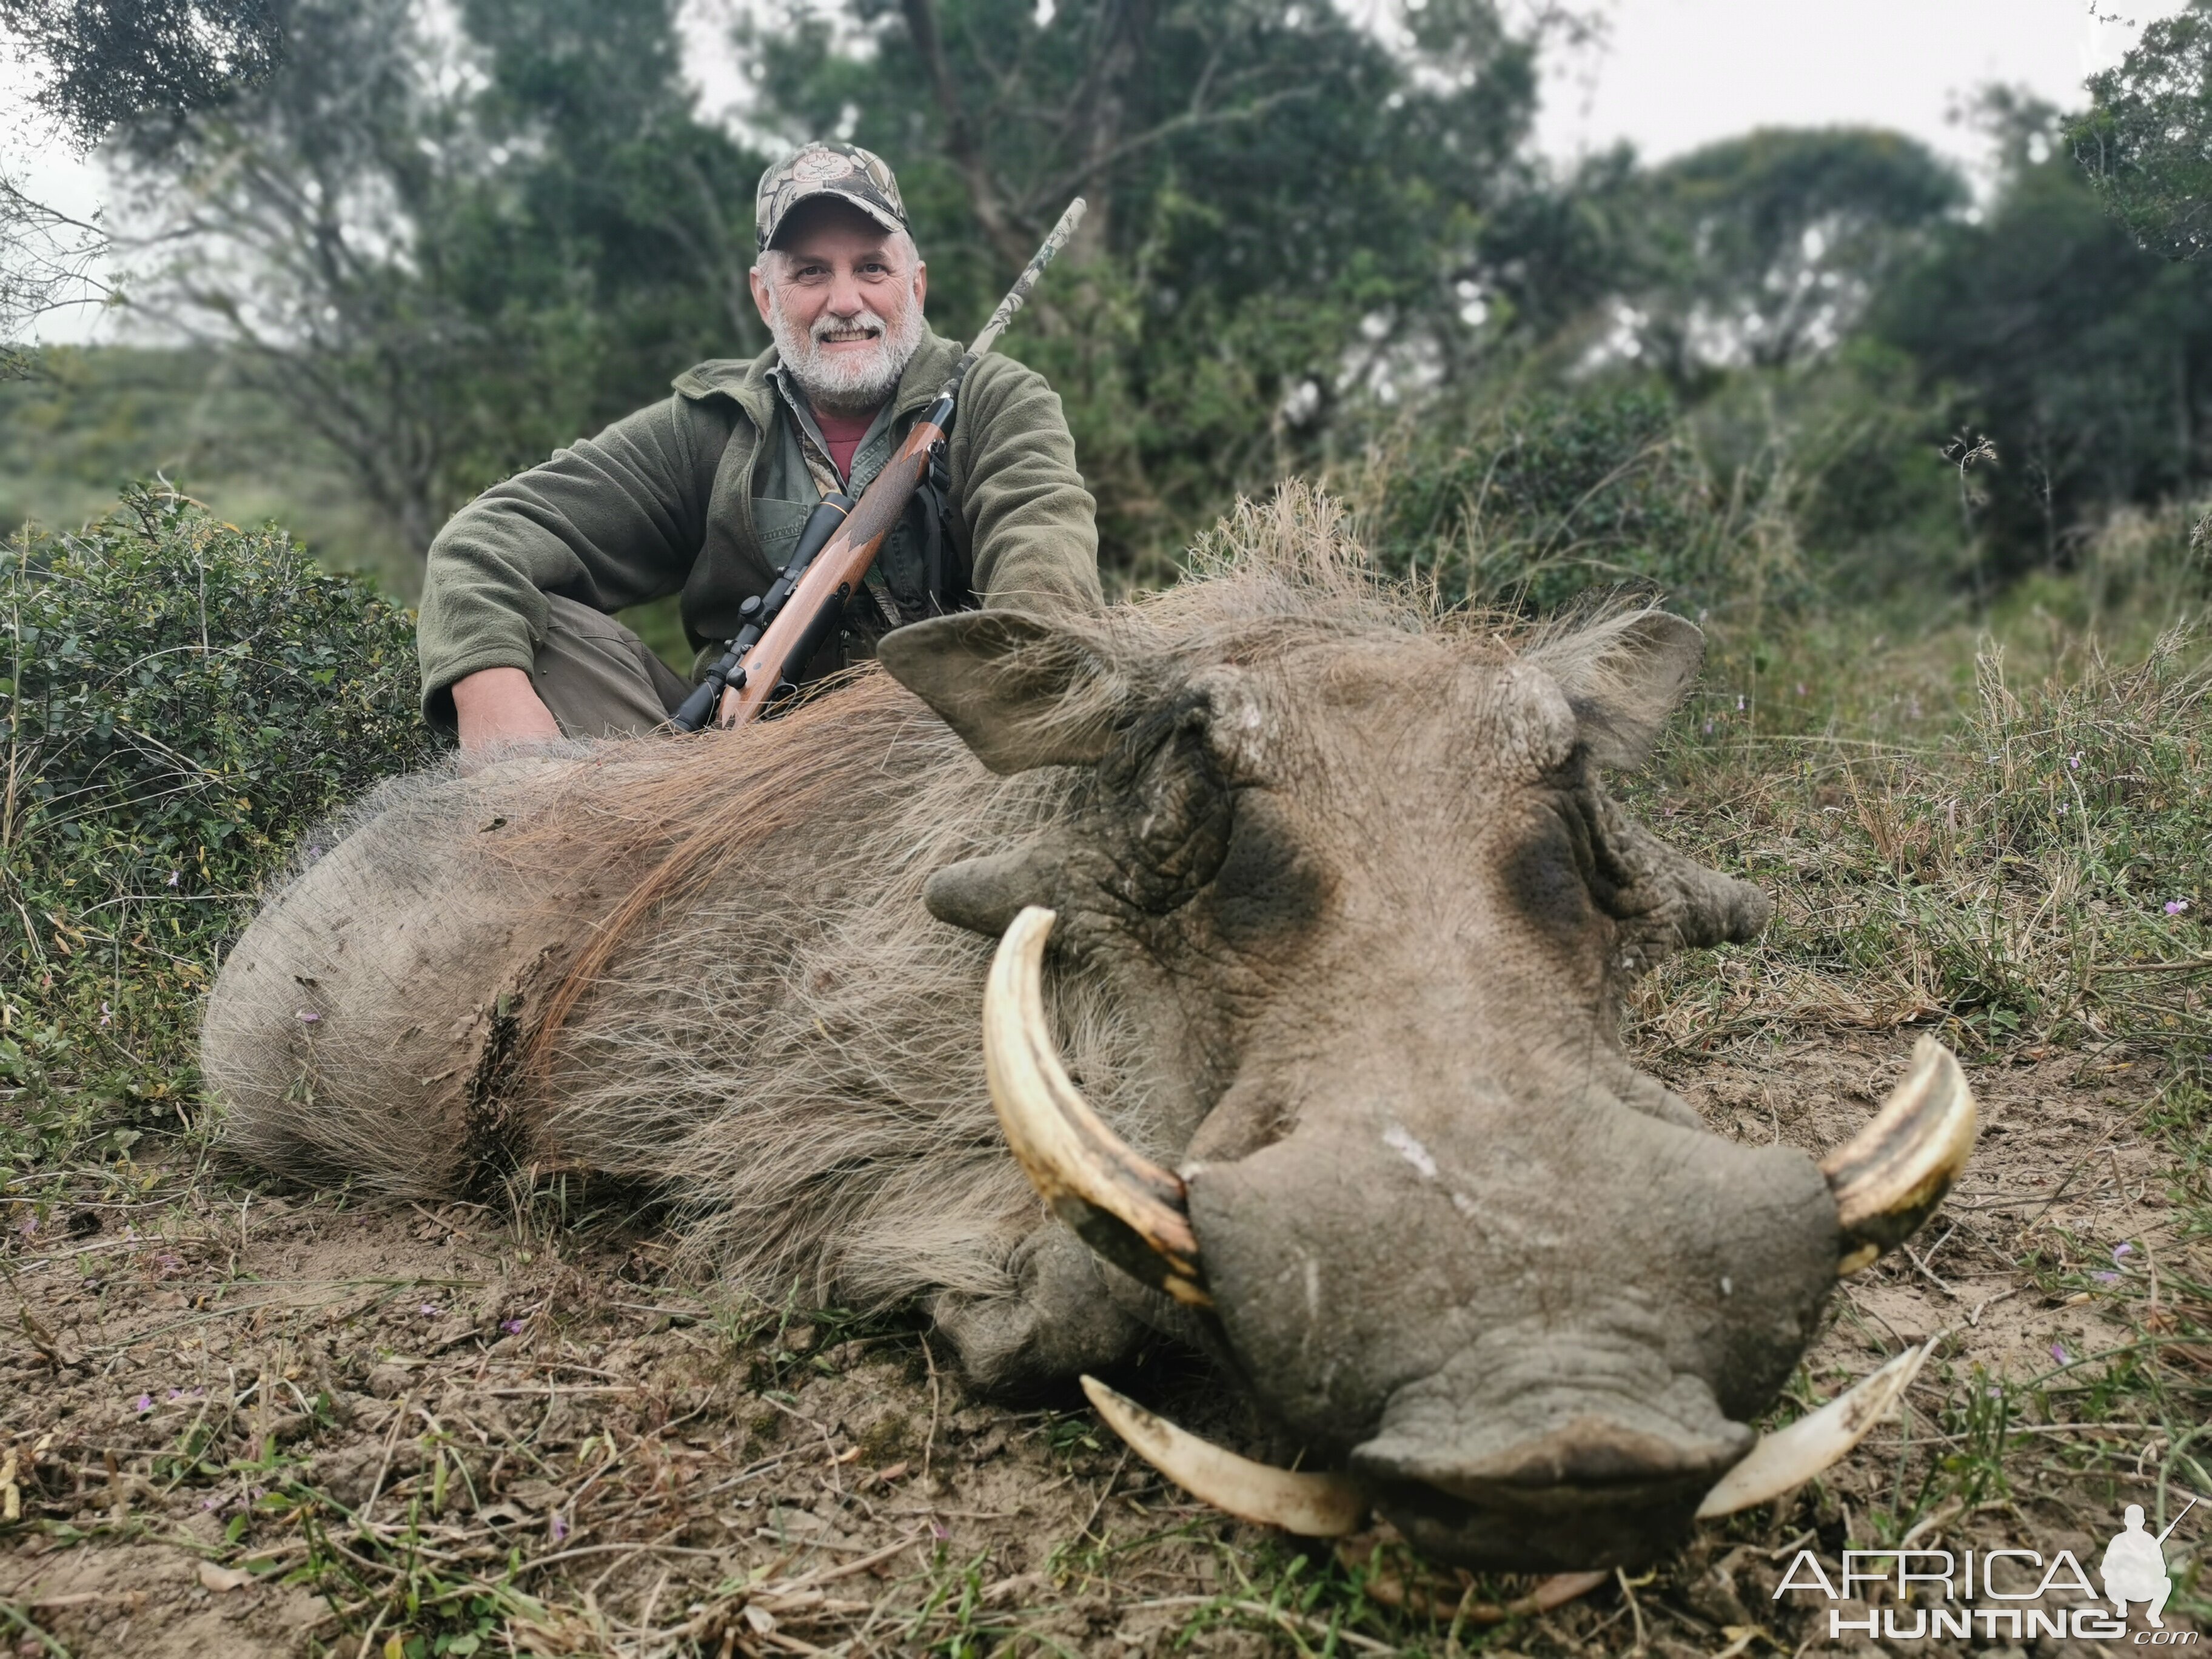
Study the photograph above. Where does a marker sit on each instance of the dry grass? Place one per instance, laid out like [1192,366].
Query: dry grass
[242,1420]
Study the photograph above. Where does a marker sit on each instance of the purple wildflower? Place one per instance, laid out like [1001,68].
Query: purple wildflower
[105,1014]
[2105,1278]
[1709,728]
[431,1310]
[940,1531]
[560,1526]
[2058,1352]
[309,1017]
[142,1404]
[173,874]
[2175,906]
[1739,702]
[176,1394]
[2074,761]
[2121,1253]
[512,1326]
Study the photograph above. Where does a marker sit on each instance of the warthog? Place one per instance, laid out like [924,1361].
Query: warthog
[1340,919]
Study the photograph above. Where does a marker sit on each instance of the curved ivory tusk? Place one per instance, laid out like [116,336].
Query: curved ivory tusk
[1312,1505]
[1889,1177]
[1126,1207]
[1789,1457]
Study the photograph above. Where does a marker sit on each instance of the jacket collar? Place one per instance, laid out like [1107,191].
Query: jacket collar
[746,382]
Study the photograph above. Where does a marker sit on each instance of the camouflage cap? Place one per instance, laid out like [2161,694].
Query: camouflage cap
[856,175]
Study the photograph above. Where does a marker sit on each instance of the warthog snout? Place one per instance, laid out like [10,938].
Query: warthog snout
[1354,1263]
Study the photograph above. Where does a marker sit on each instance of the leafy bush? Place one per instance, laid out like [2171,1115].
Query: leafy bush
[1547,498]
[179,700]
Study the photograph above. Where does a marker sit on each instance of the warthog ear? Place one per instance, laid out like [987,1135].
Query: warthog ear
[1623,677]
[985,894]
[1019,690]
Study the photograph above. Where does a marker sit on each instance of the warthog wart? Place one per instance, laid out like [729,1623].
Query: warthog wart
[1321,1062]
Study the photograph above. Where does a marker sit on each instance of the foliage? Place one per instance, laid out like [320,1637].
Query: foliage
[1769,247]
[182,699]
[47,260]
[445,256]
[93,66]
[2088,361]
[1552,496]
[2147,139]
[1760,252]
[445,251]
[105,64]
[1845,451]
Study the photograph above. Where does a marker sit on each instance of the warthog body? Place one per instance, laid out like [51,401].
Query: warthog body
[1345,920]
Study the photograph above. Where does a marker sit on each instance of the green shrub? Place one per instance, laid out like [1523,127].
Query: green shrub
[1543,500]
[179,700]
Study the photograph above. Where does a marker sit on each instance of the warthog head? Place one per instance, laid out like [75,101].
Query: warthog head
[1365,897]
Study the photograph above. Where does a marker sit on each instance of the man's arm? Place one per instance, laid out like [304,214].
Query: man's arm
[1031,523]
[499,706]
[610,521]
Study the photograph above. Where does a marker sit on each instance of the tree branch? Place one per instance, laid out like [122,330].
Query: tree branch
[983,196]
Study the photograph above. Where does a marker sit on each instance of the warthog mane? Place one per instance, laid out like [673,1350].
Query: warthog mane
[705,965]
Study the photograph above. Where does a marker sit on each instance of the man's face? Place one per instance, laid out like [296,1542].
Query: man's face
[843,298]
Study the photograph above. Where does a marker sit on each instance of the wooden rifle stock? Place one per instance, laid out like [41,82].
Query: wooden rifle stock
[837,572]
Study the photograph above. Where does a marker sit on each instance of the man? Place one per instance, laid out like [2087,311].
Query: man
[704,495]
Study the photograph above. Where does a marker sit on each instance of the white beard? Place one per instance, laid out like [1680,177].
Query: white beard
[846,381]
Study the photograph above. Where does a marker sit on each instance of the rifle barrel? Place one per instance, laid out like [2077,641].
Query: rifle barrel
[2177,1521]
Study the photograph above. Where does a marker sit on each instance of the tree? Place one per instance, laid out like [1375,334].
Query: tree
[48,262]
[2087,360]
[121,60]
[446,256]
[1761,251]
[95,65]
[2147,139]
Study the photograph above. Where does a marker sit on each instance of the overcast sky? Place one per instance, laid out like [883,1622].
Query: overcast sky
[1676,74]
[1671,76]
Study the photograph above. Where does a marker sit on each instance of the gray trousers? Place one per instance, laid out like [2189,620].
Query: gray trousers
[599,679]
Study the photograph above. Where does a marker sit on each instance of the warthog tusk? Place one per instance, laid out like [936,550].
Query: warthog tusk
[1327,1505]
[1889,1177]
[1126,1207]
[1789,1457]
[1312,1505]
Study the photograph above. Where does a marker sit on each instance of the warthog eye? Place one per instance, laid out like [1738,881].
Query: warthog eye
[1178,809]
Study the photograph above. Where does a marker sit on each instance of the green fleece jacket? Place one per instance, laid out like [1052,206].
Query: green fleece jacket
[663,502]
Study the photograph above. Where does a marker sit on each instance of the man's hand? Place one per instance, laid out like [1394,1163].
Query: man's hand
[498,706]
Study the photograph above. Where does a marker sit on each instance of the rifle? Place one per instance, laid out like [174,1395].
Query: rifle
[781,630]
[2176,1522]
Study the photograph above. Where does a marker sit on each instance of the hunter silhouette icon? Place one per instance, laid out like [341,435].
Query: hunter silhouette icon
[2135,1566]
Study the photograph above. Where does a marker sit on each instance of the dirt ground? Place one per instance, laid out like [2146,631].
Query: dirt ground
[243,1422]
